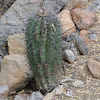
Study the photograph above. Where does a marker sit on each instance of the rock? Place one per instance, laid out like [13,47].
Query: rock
[86,39]
[21,97]
[17,44]
[3,99]
[94,6]
[22,11]
[65,45]
[80,44]
[67,24]
[4,91]
[94,68]
[83,18]
[83,32]
[36,96]
[70,37]
[72,4]
[54,6]
[74,49]
[18,72]
[49,96]
[93,37]
[59,90]
[78,83]
[84,36]
[69,56]
[69,93]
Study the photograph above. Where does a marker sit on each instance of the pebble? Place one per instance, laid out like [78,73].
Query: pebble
[69,56]
[78,83]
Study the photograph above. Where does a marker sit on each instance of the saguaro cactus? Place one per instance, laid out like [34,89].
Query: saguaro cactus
[43,38]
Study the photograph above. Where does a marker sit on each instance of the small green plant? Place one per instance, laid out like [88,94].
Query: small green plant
[43,38]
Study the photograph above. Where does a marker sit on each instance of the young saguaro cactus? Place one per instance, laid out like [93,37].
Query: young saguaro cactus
[43,38]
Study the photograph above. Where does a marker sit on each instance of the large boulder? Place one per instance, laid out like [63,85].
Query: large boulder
[15,72]
[15,19]
[16,44]
[83,18]
[67,24]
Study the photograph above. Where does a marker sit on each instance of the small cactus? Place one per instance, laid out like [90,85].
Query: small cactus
[43,38]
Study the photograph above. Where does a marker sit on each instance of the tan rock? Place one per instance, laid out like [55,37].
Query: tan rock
[86,39]
[83,18]
[94,68]
[67,24]
[59,90]
[15,72]
[84,32]
[72,4]
[84,36]
[49,96]
[16,44]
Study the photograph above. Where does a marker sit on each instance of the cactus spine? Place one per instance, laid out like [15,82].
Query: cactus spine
[43,38]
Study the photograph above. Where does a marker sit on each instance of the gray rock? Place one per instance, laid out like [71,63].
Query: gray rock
[4,90]
[93,37]
[69,56]
[36,96]
[21,97]
[78,83]
[70,37]
[74,49]
[80,44]
[22,10]
[95,6]
[65,45]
